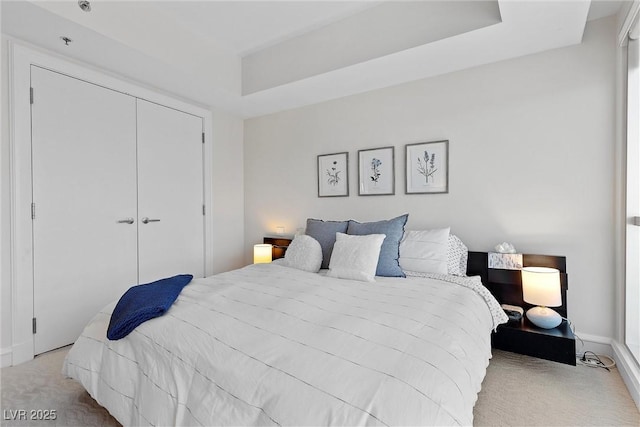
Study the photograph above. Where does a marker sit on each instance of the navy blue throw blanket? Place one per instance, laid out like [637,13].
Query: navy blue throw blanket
[144,302]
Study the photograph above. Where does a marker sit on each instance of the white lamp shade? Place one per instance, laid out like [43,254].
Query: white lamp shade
[261,254]
[541,286]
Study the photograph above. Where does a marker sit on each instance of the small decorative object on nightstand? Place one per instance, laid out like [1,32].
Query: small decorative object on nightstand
[261,254]
[505,257]
[513,312]
[541,286]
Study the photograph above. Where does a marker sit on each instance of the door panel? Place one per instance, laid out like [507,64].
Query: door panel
[84,181]
[170,188]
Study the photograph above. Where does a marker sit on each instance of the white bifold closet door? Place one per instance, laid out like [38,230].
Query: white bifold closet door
[84,182]
[170,193]
[118,198]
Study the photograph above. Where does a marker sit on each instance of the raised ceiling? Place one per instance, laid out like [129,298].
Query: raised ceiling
[254,58]
[245,27]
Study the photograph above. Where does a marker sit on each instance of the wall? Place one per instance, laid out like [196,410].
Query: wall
[227,196]
[531,161]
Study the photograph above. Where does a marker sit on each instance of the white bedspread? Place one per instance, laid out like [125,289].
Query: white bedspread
[268,344]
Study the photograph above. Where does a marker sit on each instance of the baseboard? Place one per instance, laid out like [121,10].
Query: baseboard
[6,357]
[594,343]
[629,370]
[22,352]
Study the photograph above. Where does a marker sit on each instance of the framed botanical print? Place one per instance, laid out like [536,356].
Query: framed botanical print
[427,167]
[376,172]
[333,175]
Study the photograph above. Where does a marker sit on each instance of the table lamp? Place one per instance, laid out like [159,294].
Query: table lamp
[541,286]
[261,254]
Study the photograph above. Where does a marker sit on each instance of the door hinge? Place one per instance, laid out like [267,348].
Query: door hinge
[31,95]
[203,210]
[203,137]
[33,323]
[33,211]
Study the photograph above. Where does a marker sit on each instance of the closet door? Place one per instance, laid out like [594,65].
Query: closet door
[84,191]
[170,189]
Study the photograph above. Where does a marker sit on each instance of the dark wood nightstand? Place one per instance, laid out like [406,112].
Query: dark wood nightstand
[557,344]
[280,245]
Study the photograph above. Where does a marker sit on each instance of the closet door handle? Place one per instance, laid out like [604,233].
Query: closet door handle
[125,221]
[146,220]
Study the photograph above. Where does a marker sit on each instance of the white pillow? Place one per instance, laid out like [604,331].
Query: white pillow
[355,257]
[457,255]
[425,251]
[304,253]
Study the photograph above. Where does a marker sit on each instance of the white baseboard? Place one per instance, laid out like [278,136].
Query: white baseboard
[22,352]
[6,357]
[594,343]
[629,370]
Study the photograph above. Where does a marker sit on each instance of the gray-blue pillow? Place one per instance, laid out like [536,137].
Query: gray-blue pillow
[393,229]
[325,233]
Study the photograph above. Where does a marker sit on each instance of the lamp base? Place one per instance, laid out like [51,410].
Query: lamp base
[544,317]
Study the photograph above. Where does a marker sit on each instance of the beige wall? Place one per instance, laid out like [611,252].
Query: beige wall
[531,161]
[228,192]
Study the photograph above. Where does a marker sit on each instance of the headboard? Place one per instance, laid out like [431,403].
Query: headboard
[506,285]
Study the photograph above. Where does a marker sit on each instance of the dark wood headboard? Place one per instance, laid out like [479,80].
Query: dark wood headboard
[506,285]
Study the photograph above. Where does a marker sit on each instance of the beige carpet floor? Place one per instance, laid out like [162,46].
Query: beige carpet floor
[517,391]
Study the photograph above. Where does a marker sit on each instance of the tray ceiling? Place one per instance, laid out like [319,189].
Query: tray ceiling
[257,57]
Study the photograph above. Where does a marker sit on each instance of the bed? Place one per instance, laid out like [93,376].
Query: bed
[333,334]
[273,345]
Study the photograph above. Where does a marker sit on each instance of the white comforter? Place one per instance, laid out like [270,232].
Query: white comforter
[268,344]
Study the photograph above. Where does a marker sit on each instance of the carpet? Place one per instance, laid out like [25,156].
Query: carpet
[517,391]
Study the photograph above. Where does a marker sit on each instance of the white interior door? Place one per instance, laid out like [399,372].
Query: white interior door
[170,188]
[84,183]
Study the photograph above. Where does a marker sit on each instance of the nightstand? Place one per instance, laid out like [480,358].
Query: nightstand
[280,245]
[557,344]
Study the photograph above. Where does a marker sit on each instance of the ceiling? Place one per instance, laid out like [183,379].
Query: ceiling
[248,26]
[258,57]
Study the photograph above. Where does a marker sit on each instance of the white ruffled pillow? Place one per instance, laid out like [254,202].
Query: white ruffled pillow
[355,257]
[304,253]
[425,251]
[457,256]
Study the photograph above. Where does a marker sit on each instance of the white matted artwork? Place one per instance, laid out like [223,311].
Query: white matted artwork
[376,172]
[333,175]
[427,167]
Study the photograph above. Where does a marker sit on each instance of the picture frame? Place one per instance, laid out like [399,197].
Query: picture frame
[376,171]
[427,167]
[333,175]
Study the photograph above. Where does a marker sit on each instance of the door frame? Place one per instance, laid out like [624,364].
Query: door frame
[21,58]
